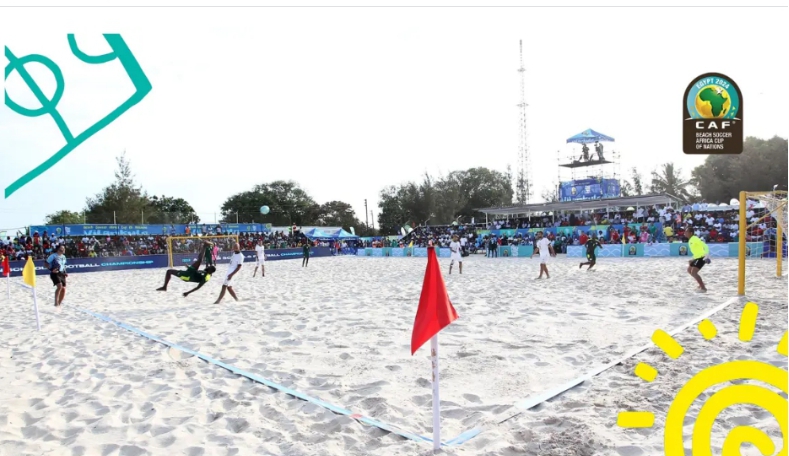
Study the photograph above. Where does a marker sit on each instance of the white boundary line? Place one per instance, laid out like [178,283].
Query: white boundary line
[533,401]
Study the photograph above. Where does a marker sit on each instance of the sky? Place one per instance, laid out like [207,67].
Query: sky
[348,100]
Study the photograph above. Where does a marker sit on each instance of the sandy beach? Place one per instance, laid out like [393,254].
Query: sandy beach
[340,331]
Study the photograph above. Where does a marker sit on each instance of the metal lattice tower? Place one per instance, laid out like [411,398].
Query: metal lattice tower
[523,186]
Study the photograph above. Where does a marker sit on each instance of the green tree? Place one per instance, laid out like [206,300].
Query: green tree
[288,203]
[637,188]
[762,164]
[550,194]
[626,189]
[121,202]
[669,180]
[64,218]
[167,210]
[455,196]
[391,213]
[338,213]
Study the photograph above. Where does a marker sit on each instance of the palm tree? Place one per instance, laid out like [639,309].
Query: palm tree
[669,180]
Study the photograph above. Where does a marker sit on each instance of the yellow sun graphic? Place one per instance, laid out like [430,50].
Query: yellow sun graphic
[726,397]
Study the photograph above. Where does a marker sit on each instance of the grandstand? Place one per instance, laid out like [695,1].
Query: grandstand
[609,204]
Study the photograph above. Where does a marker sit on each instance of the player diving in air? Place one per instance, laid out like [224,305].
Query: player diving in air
[591,258]
[192,273]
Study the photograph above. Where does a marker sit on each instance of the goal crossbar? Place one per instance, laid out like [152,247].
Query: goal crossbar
[170,240]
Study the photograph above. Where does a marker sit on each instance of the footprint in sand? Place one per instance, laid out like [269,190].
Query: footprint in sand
[473,398]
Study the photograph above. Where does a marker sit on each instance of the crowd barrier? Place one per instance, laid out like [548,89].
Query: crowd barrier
[419,252]
[75,265]
[569,231]
[675,249]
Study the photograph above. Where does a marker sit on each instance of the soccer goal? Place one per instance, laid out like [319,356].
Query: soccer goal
[183,250]
[762,235]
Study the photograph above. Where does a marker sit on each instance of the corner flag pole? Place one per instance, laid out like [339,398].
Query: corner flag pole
[35,306]
[436,399]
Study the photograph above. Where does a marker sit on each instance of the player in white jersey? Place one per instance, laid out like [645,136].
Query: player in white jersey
[235,265]
[455,255]
[261,259]
[546,249]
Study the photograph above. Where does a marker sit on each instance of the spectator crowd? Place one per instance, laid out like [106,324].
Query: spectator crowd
[711,224]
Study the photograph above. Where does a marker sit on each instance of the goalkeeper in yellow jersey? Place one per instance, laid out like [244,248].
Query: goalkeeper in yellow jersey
[701,256]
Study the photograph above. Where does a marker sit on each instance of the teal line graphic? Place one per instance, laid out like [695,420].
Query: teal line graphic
[120,51]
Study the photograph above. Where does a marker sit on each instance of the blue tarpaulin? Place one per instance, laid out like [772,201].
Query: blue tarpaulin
[331,233]
[589,136]
[346,235]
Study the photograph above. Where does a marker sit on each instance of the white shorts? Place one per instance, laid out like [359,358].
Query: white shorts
[457,258]
[228,281]
[543,259]
[261,261]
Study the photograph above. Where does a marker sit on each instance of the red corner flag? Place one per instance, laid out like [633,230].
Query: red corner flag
[6,267]
[435,312]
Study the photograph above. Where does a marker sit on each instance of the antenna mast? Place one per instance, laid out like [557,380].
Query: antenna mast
[523,190]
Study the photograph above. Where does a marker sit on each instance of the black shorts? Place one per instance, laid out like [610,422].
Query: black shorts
[697,263]
[591,257]
[58,278]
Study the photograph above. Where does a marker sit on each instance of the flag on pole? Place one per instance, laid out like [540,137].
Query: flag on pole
[435,312]
[29,278]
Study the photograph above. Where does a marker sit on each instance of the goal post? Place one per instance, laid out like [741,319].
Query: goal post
[182,250]
[762,236]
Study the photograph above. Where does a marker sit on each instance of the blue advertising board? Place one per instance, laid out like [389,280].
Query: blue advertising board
[589,189]
[76,265]
[150,230]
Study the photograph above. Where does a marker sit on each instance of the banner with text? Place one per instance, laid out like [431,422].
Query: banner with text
[76,265]
[589,189]
[151,230]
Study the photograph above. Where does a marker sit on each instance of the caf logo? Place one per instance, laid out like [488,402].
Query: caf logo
[712,116]
[683,250]
[747,250]
[632,250]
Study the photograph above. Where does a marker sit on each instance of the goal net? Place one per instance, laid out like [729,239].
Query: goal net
[184,250]
[763,247]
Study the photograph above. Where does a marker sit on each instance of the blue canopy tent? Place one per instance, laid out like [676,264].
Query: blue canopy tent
[317,233]
[589,136]
[346,236]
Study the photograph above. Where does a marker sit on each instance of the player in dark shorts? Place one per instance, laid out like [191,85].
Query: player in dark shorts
[306,249]
[591,258]
[700,252]
[192,273]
